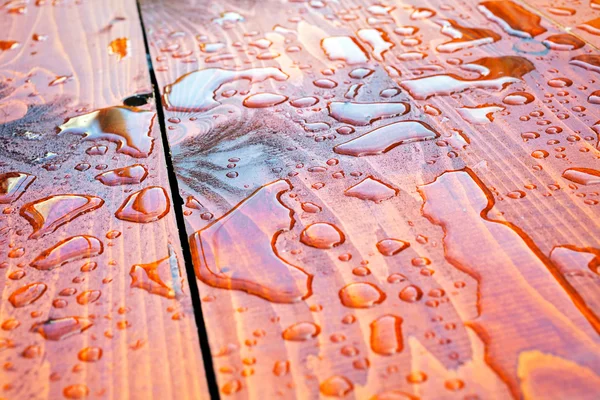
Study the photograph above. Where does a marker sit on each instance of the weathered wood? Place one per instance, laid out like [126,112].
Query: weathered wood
[299,210]
[117,320]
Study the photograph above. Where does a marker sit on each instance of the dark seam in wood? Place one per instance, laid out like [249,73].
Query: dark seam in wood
[211,378]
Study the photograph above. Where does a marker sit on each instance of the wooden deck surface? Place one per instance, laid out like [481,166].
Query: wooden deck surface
[108,313]
[377,200]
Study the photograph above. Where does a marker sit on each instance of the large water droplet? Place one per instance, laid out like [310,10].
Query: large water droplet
[13,185]
[344,48]
[90,354]
[148,276]
[386,335]
[513,18]
[147,205]
[360,114]
[130,128]
[71,249]
[227,251]
[582,176]
[385,138]
[336,386]
[390,247]
[27,294]
[371,189]
[48,214]
[61,328]
[322,235]
[301,331]
[263,100]
[131,175]
[411,294]
[361,295]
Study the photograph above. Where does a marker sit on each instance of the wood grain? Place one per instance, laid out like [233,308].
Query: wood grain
[106,324]
[299,228]
[578,18]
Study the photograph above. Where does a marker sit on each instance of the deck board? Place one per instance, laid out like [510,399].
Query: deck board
[287,200]
[96,326]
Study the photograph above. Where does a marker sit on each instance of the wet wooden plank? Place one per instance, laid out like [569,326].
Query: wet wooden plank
[106,314]
[386,201]
[580,18]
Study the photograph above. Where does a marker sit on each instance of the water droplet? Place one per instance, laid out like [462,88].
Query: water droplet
[74,248]
[385,138]
[148,276]
[518,98]
[75,392]
[8,45]
[310,207]
[360,73]
[281,368]
[454,384]
[17,252]
[416,377]
[322,235]
[231,387]
[325,83]
[411,294]
[61,328]
[516,194]
[336,386]
[406,30]
[371,189]
[129,128]
[479,115]
[303,102]
[386,335]
[88,296]
[378,40]
[590,62]
[396,278]
[344,48]
[301,331]
[360,114]
[90,354]
[390,247]
[31,352]
[361,295]
[226,252]
[147,205]
[13,185]
[563,42]
[48,214]
[131,175]
[592,26]
[263,100]
[582,176]
[539,154]
[560,82]
[422,13]
[513,18]
[27,294]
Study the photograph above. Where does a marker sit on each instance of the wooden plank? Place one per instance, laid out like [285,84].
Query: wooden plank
[108,313]
[581,18]
[386,201]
